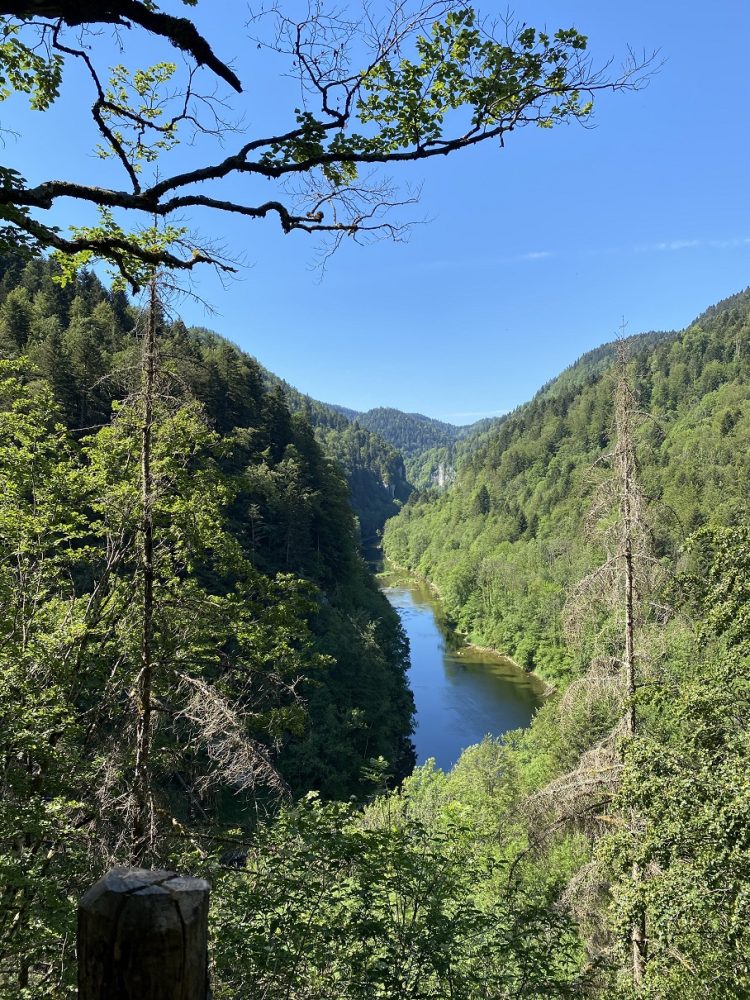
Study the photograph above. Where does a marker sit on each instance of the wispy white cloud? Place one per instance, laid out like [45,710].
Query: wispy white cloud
[530,256]
[665,246]
[740,241]
[444,264]
[714,244]
[533,255]
[473,413]
[678,245]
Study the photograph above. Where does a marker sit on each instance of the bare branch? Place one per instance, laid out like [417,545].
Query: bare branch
[222,730]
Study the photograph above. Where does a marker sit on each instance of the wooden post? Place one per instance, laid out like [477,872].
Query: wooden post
[143,935]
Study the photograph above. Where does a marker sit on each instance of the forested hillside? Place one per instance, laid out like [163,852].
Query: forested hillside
[435,469]
[601,848]
[284,504]
[411,433]
[507,542]
[199,678]
[374,469]
[600,535]
[432,449]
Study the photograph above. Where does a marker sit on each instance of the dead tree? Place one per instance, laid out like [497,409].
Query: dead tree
[630,497]
[142,783]
[618,591]
[625,479]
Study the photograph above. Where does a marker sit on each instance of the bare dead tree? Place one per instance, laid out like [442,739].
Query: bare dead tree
[625,582]
[142,825]
[630,508]
[580,798]
[620,588]
[220,727]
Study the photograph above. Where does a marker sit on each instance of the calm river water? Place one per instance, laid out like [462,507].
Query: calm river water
[461,694]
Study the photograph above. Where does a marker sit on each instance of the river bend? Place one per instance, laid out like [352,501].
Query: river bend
[461,693]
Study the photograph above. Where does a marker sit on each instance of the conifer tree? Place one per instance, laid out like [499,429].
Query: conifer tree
[15,321]
[210,651]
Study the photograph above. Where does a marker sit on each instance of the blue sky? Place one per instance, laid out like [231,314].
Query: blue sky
[531,255]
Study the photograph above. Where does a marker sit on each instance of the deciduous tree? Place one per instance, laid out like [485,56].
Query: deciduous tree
[408,84]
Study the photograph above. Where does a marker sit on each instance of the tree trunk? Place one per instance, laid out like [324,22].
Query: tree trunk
[142,819]
[626,474]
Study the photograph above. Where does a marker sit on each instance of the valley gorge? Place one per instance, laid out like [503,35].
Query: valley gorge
[329,729]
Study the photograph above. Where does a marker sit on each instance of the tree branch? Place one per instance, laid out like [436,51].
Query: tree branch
[465,89]
[179,31]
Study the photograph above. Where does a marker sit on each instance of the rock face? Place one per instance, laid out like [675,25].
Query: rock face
[143,935]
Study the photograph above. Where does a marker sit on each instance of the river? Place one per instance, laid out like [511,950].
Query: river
[461,693]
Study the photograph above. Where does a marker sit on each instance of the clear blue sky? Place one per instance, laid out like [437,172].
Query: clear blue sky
[532,253]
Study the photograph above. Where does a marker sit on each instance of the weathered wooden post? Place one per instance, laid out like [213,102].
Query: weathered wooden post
[143,935]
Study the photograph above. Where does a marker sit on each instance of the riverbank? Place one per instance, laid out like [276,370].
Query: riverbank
[547,687]
[462,694]
[461,639]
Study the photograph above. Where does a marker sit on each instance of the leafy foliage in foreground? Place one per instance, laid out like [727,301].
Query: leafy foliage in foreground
[334,904]
[431,81]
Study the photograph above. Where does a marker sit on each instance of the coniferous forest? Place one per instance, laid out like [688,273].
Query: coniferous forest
[283,670]
[200,671]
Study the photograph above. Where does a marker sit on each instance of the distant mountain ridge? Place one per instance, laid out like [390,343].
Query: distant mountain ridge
[411,433]
[387,452]
[346,411]
[374,468]
[597,360]
[430,447]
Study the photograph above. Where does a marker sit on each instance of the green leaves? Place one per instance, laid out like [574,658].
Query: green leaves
[460,86]
[28,70]
[688,780]
[134,111]
[43,545]
[432,80]
[331,905]
[461,68]
[129,269]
